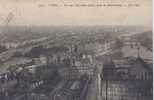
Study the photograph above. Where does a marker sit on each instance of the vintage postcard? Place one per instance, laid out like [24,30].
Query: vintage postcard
[76,50]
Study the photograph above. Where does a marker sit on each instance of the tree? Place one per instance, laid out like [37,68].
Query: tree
[2,48]
[108,37]
[17,54]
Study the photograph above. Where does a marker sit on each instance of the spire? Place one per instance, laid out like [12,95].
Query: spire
[138,50]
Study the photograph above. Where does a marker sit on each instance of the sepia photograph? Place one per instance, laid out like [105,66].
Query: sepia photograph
[61,52]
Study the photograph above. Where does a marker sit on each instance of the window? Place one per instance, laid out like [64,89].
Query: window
[146,76]
[142,76]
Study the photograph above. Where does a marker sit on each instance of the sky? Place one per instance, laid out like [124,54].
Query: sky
[29,13]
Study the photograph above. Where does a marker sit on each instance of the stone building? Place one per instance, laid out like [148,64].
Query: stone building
[127,81]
